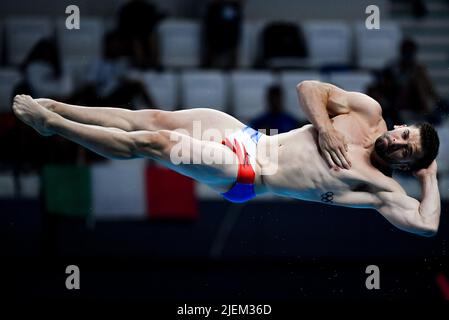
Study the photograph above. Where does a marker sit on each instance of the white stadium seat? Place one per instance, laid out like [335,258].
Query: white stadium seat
[22,34]
[163,88]
[288,82]
[29,185]
[126,199]
[250,43]
[352,81]
[9,78]
[179,43]
[376,47]
[328,42]
[7,185]
[204,89]
[249,91]
[82,44]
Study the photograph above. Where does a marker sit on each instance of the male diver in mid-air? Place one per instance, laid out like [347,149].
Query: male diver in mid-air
[345,156]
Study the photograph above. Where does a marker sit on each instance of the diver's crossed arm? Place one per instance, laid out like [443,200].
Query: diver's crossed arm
[321,101]
[314,99]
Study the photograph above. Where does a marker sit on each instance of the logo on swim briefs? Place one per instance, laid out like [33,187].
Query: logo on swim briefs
[205,147]
[327,197]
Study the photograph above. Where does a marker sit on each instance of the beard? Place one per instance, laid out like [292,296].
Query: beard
[382,146]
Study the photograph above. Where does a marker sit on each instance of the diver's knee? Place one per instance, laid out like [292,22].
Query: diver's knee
[154,119]
[149,142]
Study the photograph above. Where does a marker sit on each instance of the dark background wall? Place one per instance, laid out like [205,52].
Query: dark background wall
[262,250]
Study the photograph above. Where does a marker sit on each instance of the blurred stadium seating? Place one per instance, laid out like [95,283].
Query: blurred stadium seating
[180,43]
[288,81]
[204,89]
[352,81]
[240,91]
[374,47]
[83,44]
[329,43]
[163,87]
[248,89]
[22,33]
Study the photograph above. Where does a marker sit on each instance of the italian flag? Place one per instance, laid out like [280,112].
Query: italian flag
[117,189]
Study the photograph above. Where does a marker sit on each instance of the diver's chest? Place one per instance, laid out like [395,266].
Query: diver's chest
[355,131]
[361,176]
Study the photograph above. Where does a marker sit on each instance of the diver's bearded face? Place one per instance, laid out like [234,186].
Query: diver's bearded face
[398,147]
[382,146]
[389,150]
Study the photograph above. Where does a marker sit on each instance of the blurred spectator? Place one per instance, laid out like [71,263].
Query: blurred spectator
[283,46]
[405,89]
[137,21]
[43,75]
[108,83]
[416,92]
[221,33]
[275,117]
[419,9]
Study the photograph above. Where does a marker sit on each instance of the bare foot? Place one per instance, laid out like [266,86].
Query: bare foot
[48,104]
[32,113]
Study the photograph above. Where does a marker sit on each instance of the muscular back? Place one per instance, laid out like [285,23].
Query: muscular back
[304,174]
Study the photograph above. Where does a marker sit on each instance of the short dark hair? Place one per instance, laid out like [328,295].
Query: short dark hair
[430,144]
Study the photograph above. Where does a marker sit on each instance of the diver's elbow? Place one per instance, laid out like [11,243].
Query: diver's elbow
[306,85]
[429,231]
